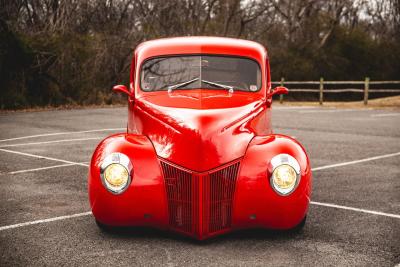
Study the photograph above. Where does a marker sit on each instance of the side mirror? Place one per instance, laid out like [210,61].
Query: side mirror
[122,89]
[280,90]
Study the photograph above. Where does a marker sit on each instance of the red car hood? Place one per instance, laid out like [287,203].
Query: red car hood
[200,131]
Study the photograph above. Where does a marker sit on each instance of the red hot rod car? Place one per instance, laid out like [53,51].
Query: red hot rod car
[199,156]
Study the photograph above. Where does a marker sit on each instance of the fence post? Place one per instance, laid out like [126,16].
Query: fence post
[321,91]
[281,96]
[366,88]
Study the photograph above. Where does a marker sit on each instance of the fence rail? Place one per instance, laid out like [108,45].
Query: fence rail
[366,90]
[338,82]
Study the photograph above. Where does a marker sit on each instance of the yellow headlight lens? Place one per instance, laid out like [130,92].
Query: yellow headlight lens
[284,177]
[116,175]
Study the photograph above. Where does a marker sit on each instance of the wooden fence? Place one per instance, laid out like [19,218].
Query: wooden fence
[367,82]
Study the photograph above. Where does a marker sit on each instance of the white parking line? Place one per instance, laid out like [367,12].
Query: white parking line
[385,115]
[326,110]
[12,226]
[46,168]
[2,228]
[355,161]
[356,209]
[43,157]
[54,141]
[318,111]
[61,133]
[295,107]
[330,205]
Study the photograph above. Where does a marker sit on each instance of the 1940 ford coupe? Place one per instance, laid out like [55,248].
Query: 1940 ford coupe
[199,156]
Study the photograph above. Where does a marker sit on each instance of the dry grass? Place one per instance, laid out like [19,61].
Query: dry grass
[392,102]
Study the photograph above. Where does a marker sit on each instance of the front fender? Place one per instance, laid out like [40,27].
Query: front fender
[144,201]
[256,203]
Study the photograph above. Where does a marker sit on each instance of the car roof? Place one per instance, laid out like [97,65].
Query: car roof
[200,45]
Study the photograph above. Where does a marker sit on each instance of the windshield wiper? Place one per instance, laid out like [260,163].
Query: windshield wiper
[230,88]
[175,86]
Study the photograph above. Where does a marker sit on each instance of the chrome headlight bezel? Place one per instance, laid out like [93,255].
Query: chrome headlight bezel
[279,160]
[120,159]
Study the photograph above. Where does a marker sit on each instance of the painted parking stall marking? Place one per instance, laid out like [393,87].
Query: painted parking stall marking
[316,203]
[48,168]
[62,133]
[378,213]
[52,142]
[12,226]
[291,108]
[386,115]
[43,157]
[355,161]
[396,216]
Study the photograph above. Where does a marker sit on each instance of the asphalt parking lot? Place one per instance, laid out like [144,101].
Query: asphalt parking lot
[354,219]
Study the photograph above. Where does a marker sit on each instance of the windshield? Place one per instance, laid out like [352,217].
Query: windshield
[206,72]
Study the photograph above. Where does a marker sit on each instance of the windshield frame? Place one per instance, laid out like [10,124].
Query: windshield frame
[200,54]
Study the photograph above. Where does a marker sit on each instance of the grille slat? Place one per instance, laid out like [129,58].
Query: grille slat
[200,203]
[223,188]
[179,201]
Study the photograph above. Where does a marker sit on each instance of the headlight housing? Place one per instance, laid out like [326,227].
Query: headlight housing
[285,175]
[115,172]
